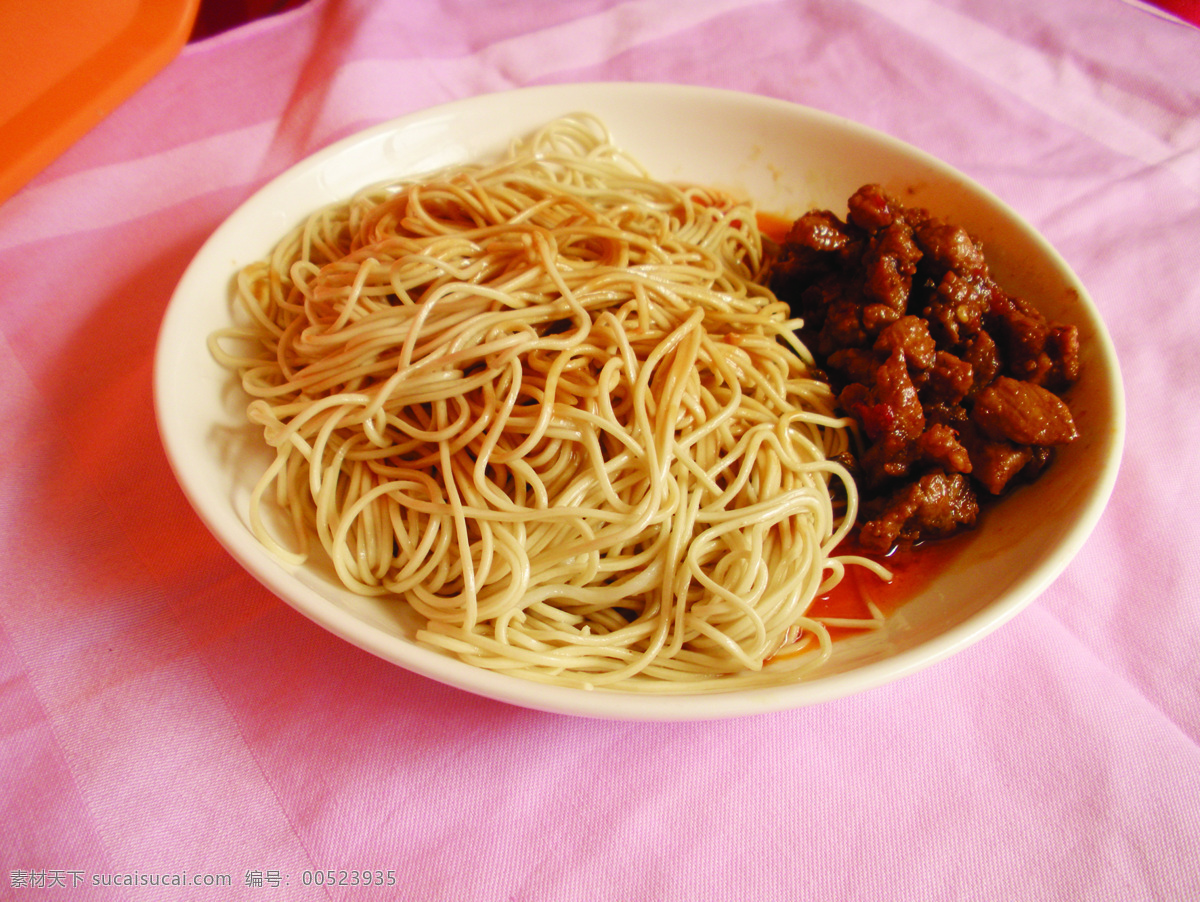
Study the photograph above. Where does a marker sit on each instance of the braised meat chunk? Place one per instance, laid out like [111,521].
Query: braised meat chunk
[1024,413]
[933,506]
[955,384]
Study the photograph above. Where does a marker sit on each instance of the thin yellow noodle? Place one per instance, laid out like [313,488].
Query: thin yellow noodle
[547,403]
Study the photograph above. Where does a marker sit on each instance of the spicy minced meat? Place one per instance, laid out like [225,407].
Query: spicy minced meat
[954,382]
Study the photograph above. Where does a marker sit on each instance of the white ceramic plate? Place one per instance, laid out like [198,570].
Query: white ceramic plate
[787,159]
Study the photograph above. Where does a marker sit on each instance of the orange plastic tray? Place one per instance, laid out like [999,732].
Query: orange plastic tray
[66,64]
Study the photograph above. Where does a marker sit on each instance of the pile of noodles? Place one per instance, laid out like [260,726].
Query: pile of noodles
[545,403]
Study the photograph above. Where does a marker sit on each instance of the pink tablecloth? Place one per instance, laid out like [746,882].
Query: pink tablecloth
[162,717]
